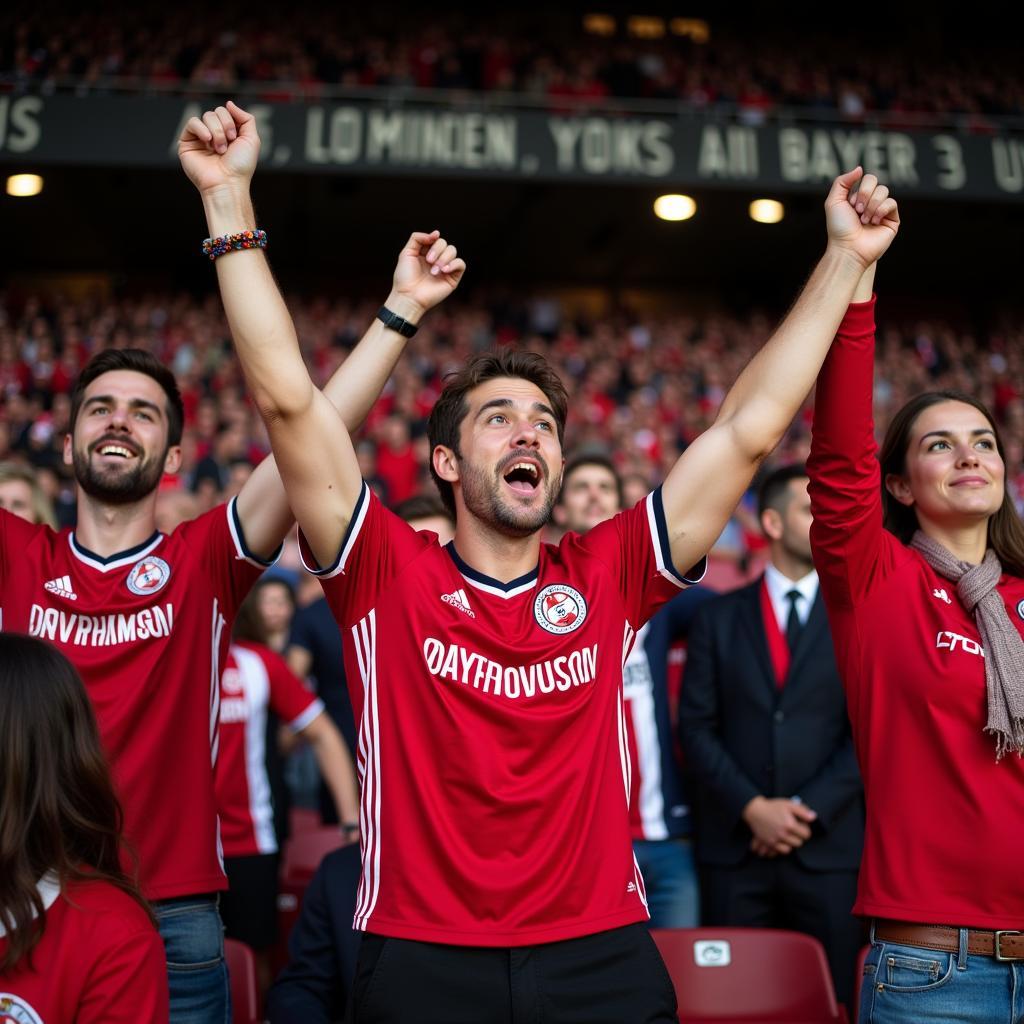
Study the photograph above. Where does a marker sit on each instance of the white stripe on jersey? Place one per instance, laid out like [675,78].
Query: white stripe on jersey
[364,634]
[665,568]
[216,629]
[256,692]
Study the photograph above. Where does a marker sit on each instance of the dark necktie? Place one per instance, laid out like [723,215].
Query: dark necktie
[793,626]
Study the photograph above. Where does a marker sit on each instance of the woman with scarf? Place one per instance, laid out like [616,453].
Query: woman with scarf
[921,559]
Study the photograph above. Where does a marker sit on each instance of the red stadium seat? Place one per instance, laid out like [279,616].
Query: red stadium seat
[304,851]
[742,975]
[303,819]
[242,974]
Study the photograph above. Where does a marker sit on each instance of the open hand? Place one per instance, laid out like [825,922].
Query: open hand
[428,271]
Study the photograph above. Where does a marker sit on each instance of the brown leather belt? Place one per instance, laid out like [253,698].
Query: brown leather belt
[1006,944]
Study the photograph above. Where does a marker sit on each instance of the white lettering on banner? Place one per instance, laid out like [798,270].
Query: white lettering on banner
[1008,164]
[949,155]
[100,630]
[466,141]
[821,154]
[19,123]
[728,153]
[470,668]
[951,641]
[599,145]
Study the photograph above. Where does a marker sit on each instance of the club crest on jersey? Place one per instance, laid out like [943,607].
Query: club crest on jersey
[1020,609]
[559,609]
[16,1010]
[148,576]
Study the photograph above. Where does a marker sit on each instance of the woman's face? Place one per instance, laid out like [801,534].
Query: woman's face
[275,606]
[954,473]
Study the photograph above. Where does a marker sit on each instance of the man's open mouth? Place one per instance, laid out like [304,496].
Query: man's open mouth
[523,476]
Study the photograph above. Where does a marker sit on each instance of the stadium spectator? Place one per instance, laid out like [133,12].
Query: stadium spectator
[22,495]
[659,814]
[921,557]
[496,435]
[766,740]
[127,602]
[78,943]
[257,691]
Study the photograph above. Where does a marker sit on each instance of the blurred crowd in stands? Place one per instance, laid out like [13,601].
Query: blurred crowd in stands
[544,56]
[641,386]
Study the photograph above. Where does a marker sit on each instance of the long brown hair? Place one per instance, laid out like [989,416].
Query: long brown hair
[1005,529]
[58,810]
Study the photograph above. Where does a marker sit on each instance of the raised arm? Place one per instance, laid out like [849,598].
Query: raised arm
[311,442]
[707,481]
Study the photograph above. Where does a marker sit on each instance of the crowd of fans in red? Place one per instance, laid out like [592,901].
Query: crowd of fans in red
[641,386]
[221,49]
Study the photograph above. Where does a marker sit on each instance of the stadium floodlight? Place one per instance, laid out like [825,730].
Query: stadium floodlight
[767,211]
[22,185]
[675,207]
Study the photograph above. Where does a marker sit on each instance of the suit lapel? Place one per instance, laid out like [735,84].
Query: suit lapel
[754,624]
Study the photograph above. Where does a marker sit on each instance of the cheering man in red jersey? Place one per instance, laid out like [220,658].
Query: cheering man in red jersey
[146,618]
[498,875]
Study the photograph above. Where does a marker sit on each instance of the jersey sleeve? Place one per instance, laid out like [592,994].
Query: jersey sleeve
[289,698]
[634,547]
[16,535]
[377,546]
[128,982]
[219,540]
[852,549]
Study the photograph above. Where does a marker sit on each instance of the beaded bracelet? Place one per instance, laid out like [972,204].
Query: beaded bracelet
[214,247]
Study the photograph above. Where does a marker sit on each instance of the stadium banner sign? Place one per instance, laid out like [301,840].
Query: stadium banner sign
[383,138]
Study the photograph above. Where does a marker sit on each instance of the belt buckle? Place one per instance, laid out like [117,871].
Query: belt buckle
[998,952]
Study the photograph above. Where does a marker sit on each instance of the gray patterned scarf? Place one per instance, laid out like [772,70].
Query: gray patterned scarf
[1004,648]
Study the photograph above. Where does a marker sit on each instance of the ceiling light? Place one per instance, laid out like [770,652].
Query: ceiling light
[767,211]
[675,207]
[24,185]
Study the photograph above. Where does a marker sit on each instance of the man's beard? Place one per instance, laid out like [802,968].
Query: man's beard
[117,488]
[482,497]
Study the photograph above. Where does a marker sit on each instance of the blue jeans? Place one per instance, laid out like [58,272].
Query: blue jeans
[913,985]
[196,973]
[670,878]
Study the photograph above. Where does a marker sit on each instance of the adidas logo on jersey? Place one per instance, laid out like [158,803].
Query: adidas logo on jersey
[61,586]
[631,887]
[458,599]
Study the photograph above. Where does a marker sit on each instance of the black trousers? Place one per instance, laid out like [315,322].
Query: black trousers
[611,977]
[780,893]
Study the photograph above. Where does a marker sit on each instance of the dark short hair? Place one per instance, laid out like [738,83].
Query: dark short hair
[139,361]
[591,459]
[421,506]
[1005,529]
[774,489]
[450,409]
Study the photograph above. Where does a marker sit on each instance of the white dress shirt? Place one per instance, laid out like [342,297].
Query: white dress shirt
[779,586]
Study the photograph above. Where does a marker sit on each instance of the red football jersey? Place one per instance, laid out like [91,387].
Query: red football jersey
[945,820]
[99,961]
[254,679]
[148,630]
[492,744]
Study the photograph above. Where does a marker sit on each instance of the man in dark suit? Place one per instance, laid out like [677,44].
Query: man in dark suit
[778,804]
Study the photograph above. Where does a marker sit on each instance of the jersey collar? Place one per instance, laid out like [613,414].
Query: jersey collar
[488,583]
[118,559]
[48,888]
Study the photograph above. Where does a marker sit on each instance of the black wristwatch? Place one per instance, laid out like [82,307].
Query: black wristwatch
[348,827]
[396,323]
